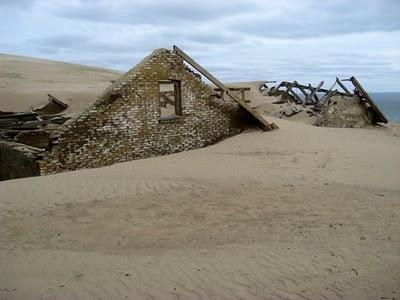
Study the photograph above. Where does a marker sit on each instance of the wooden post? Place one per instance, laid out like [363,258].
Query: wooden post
[243,96]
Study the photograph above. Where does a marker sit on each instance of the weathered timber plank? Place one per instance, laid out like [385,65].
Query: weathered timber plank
[235,89]
[58,101]
[19,115]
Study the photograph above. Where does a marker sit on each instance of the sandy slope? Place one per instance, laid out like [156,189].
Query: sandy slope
[302,212]
[299,213]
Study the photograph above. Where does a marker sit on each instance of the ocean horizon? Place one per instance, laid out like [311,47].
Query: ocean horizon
[389,103]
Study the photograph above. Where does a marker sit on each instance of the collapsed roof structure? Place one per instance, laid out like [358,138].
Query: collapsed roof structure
[333,107]
[35,127]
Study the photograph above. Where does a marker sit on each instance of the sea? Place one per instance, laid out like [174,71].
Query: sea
[389,103]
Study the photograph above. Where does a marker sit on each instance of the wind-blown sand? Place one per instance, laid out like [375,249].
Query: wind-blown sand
[298,213]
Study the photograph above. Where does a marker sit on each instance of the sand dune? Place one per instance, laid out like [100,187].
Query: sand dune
[255,216]
[25,82]
[298,213]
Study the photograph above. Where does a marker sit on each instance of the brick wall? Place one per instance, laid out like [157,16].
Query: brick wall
[124,123]
[343,111]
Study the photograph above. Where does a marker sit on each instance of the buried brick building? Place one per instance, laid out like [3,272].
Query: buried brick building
[159,107]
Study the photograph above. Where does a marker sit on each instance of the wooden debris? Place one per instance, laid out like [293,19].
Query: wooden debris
[314,93]
[338,116]
[54,106]
[33,128]
[285,90]
[19,115]
[309,97]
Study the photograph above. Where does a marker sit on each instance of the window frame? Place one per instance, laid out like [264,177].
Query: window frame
[177,99]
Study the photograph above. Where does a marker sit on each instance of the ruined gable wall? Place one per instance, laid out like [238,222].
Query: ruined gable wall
[342,111]
[124,124]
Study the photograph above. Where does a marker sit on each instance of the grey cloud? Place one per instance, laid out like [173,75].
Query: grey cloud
[149,12]
[308,18]
[201,36]
[132,43]
[317,18]
[85,44]
[48,50]
[60,41]
[19,4]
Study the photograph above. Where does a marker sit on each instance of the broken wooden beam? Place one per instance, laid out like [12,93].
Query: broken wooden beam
[19,115]
[54,106]
[314,93]
[310,88]
[340,83]
[58,101]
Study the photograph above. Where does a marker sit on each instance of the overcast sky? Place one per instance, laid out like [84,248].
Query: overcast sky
[307,40]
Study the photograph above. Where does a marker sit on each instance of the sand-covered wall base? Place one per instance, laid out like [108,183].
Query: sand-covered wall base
[17,161]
